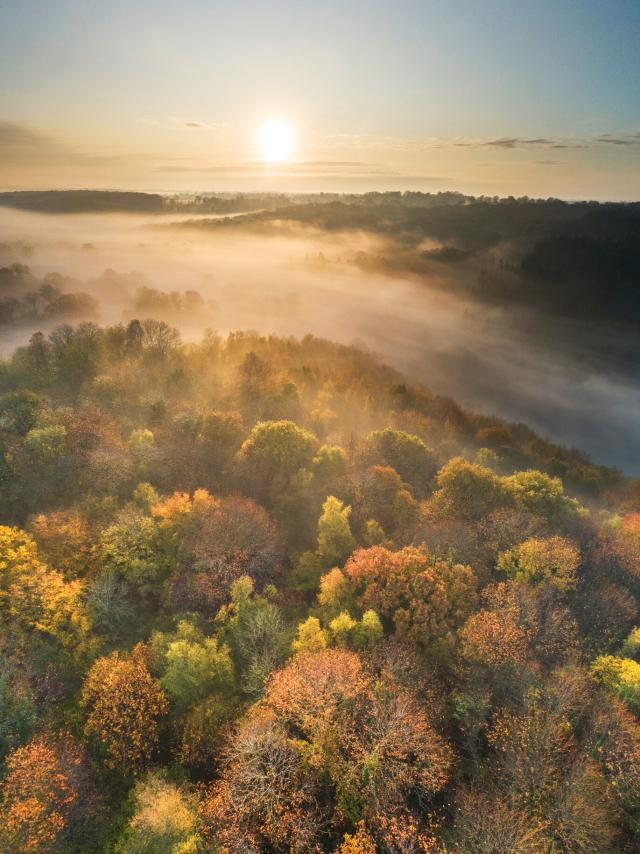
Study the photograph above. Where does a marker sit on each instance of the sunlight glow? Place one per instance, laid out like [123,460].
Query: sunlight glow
[276,141]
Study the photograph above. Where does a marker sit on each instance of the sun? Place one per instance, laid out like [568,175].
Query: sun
[276,141]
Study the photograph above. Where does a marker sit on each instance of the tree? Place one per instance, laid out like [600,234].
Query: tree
[275,451]
[631,646]
[131,548]
[19,411]
[330,466]
[388,751]
[313,684]
[47,791]
[335,592]
[360,842]
[159,339]
[220,438]
[108,604]
[44,466]
[550,628]
[17,714]
[123,704]
[554,560]
[192,665]
[615,743]
[164,820]
[75,354]
[407,454]
[256,632]
[142,445]
[369,631]
[369,735]
[267,798]
[335,540]
[66,539]
[541,770]
[422,598]
[384,498]
[341,628]
[539,493]
[310,637]
[468,491]
[216,541]
[495,639]
[37,598]
[487,822]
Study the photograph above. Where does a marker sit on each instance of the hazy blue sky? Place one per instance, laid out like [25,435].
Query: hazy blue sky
[540,97]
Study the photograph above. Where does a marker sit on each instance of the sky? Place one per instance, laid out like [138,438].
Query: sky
[497,97]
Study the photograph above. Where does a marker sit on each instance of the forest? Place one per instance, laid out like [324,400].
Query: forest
[264,594]
[512,250]
[498,250]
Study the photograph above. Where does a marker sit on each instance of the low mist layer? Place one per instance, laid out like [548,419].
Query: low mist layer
[567,376]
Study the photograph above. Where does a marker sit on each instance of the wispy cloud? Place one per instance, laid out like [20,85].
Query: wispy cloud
[368,142]
[180,123]
[515,142]
[607,138]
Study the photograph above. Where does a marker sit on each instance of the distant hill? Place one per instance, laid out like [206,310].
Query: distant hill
[82,201]
[573,259]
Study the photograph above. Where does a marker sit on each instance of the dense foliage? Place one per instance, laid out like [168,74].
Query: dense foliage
[260,595]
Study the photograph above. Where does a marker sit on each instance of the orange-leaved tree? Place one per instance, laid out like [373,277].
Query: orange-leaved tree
[123,703]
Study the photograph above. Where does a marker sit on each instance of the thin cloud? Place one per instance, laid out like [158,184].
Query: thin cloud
[180,123]
[618,140]
[515,142]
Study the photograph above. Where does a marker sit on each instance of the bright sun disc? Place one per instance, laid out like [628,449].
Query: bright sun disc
[276,141]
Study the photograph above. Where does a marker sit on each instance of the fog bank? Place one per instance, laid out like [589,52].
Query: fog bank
[558,376]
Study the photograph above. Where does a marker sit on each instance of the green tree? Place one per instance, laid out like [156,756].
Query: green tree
[330,465]
[19,411]
[369,631]
[275,451]
[132,549]
[468,491]
[335,540]
[407,454]
[544,495]
[192,665]
[554,560]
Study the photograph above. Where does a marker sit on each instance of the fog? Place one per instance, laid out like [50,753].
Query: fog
[557,376]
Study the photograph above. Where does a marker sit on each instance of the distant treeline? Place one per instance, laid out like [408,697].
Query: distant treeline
[82,201]
[579,259]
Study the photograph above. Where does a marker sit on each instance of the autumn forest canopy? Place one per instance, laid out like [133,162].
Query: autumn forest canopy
[261,593]
[319,427]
